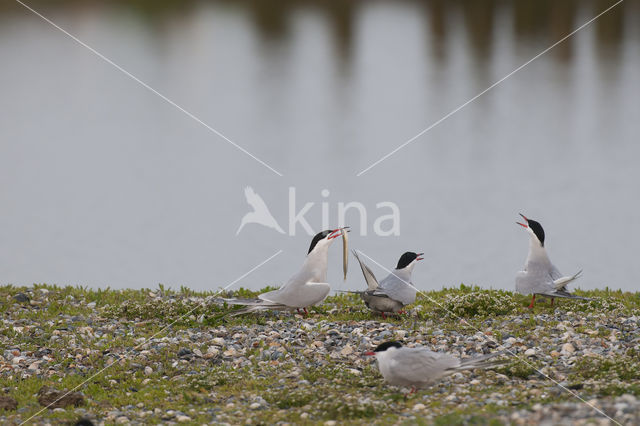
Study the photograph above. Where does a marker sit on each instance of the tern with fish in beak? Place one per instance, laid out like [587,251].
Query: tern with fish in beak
[306,288]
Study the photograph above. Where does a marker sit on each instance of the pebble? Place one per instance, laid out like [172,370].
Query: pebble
[568,348]
[148,370]
[21,298]
[347,350]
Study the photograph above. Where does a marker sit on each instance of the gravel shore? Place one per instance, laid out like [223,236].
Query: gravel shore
[574,363]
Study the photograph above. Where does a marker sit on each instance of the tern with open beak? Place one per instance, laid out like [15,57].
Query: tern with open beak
[306,288]
[540,276]
[395,291]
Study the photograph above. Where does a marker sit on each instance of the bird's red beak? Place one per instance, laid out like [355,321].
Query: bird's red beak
[338,232]
[369,353]
[522,224]
[420,258]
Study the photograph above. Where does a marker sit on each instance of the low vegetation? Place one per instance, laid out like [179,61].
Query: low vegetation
[153,356]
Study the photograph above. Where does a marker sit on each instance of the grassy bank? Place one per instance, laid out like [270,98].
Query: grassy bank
[170,357]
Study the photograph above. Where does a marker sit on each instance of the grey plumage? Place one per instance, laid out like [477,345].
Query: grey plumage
[540,276]
[392,293]
[306,288]
[419,367]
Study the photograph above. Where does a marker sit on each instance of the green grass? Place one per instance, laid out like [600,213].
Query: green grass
[326,391]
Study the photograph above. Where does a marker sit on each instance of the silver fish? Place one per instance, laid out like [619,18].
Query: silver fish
[345,251]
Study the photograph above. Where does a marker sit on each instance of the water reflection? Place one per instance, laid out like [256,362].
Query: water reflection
[532,19]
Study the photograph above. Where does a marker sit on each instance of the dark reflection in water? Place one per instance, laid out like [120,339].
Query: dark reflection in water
[549,20]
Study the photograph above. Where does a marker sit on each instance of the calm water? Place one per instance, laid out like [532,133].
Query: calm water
[102,183]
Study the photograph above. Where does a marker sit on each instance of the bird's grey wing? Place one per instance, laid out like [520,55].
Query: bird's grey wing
[554,272]
[397,289]
[535,279]
[421,365]
[297,295]
[560,284]
[369,277]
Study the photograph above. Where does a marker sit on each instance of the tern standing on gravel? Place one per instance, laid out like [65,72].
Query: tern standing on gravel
[395,291]
[306,288]
[540,277]
[417,368]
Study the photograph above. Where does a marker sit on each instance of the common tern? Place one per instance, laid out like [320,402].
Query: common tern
[419,367]
[395,291]
[306,288]
[540,276]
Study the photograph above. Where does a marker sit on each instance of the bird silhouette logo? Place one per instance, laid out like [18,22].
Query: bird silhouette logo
[260,214]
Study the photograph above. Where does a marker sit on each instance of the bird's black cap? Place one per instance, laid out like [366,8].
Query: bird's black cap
[406,259]
[537,229]
[319,236]
[386,345]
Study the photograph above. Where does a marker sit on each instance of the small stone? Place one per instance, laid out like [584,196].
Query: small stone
[419,407]
[530,352]
[304,416]
[347,350]
[182,418]
[212,352]
[122,420]
[52,398]
[330,423]
[255,406]
[184,353]
[8,403]
[568,348]
[148,370]
[21,298]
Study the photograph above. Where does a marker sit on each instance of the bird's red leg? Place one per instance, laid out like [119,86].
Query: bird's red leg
[413,390]
[552,299]
[383,316]
[298,310]
[306,312]
[532,300]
